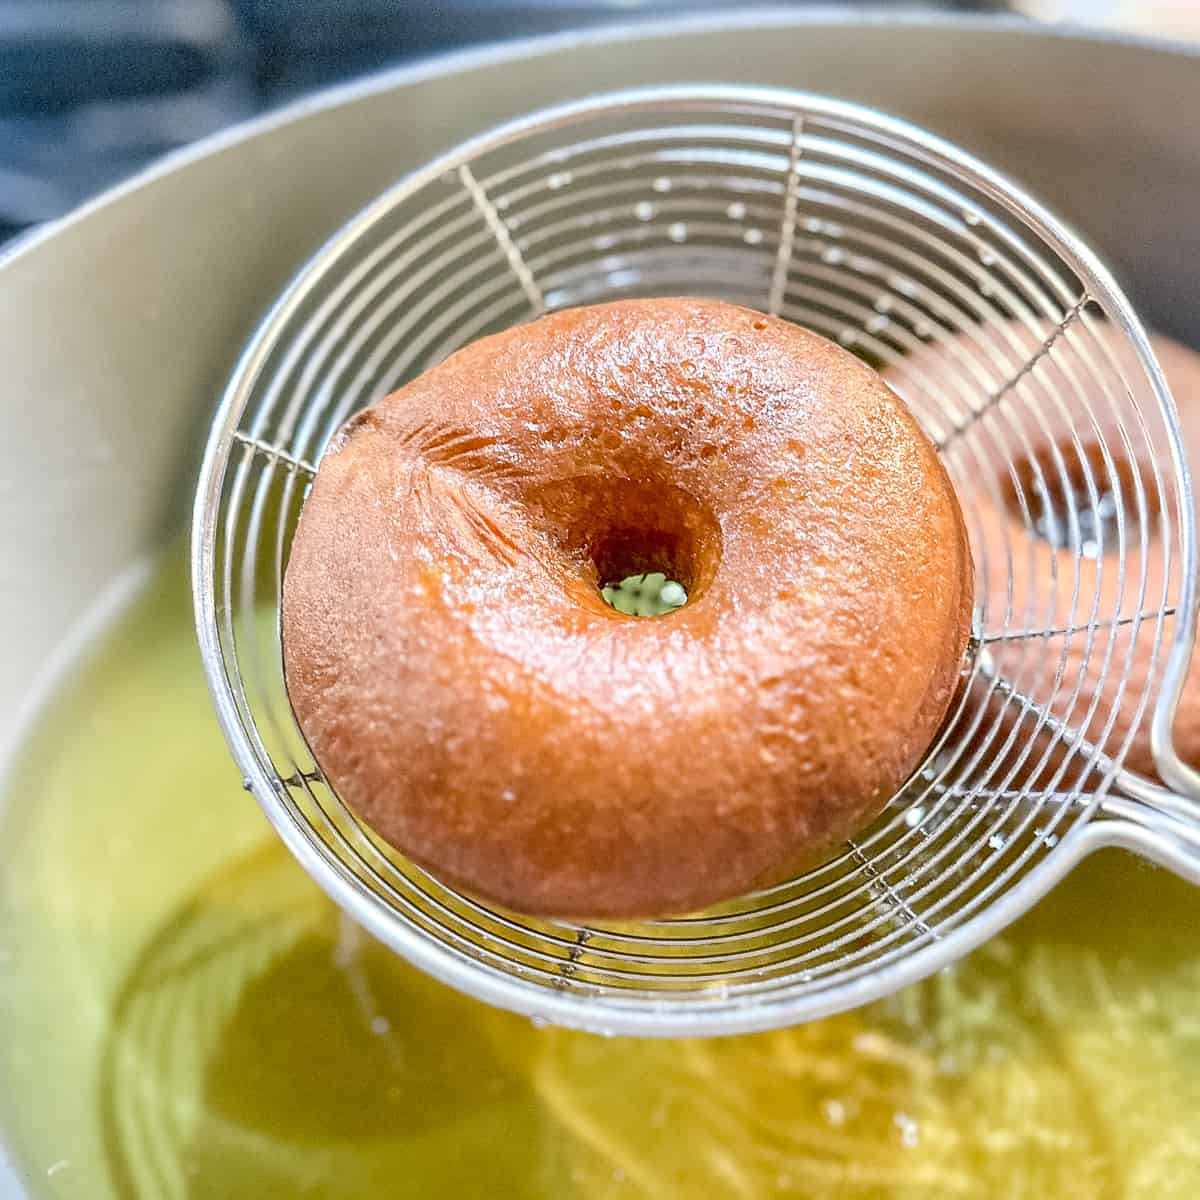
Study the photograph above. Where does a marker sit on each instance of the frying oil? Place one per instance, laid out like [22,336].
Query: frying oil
[183,1014]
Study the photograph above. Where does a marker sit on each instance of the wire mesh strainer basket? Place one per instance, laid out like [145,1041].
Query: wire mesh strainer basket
[1025,365]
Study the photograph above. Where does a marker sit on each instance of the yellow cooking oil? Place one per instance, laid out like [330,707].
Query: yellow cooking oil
[183,1014]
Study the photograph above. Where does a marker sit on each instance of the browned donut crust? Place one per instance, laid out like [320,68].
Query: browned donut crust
[467,690]
[1035,562]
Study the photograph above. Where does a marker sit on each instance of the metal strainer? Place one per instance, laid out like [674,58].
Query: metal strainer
[1052,417]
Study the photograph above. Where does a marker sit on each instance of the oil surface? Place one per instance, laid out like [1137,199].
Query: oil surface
[182,1014]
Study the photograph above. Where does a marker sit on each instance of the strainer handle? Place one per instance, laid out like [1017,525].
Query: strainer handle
[1147,829]
[1180,776]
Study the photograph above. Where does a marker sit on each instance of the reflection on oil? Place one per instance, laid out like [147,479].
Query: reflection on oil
[184,999]
[263,1038]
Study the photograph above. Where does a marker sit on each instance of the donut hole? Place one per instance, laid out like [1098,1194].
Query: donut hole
[655,553]
[638,542]
[647,595]
[638,563]
[1051,492]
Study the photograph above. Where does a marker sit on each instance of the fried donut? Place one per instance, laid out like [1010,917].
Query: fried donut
[1038,541]
[468,691]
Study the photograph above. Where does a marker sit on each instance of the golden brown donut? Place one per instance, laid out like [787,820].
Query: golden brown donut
[467,690]
[935,375]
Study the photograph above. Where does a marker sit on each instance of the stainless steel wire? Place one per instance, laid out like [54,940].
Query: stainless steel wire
[1015,350]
